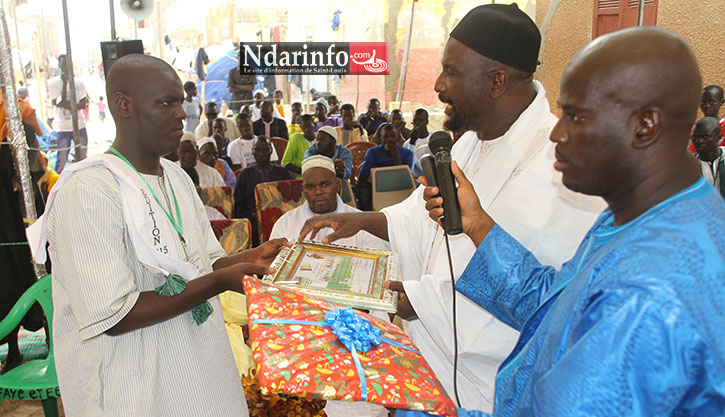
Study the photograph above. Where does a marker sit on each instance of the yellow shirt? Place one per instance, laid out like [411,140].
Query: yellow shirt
[293,128]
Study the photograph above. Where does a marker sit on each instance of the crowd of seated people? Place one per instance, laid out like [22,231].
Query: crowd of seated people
[238,151]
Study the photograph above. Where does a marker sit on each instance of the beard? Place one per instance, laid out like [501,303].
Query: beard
[454,123]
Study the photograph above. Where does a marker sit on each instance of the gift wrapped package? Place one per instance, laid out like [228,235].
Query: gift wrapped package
[304,346]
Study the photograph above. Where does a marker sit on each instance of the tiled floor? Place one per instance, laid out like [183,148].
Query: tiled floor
[25,409]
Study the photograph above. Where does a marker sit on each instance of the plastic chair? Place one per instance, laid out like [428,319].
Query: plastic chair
[391,185]
[358,150]
[346,194]
[36,379]
[280,145]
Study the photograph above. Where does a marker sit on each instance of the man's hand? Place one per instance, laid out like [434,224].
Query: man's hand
[405,309]
[234,274]
[262,255]
[346,225]
[356,124]
[476,222]
[265,253]
[339,168]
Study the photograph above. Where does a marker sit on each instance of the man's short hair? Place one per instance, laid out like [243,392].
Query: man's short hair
[296,103]
[714,89]
[307,118]
[189,85]
[709,123]
[262,138]
[347,106]
[422,110]
[219,119]
[396,111]
[243,116]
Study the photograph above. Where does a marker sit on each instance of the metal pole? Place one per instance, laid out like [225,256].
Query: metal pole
[19,144]
[113,20]
[17,44]
[404,69]
[71,83]
[640,15]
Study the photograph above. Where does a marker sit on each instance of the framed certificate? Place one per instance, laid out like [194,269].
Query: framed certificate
[340,274]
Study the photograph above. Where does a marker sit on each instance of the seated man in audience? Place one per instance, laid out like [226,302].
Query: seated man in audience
[705,136]
[420,129]
[388,153]
[268,125]
[245,204]
[240,149]
[350,131]
[321,108]
[209,155]
[298,145]
[633,323]
[372,120]
[418,133]
[326,144]
[397,119]
[205,128]
[219,129]
[208,176]
[256,107]
[334,103]
[322,189]
[294,124]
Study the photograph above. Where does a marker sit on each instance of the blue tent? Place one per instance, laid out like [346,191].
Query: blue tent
[217,78]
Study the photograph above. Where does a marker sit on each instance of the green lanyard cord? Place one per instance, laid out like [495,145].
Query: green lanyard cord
[179,227]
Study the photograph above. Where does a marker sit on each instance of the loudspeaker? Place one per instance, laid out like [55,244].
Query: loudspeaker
[137,9]
[112,51]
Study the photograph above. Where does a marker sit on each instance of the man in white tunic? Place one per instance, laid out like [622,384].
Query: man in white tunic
[121,225]
[487,80]
[188,159]
[322,188]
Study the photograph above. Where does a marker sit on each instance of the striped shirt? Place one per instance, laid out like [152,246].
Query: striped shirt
[174,368]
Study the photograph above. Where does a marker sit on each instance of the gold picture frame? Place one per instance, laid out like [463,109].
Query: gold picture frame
[340,274]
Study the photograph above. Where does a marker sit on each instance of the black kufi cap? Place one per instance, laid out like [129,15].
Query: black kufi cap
[503,33]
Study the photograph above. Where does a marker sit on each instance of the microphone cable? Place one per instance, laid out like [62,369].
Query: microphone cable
[455,324]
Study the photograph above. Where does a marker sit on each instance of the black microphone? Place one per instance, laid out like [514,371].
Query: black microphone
[440,144]
[427,162]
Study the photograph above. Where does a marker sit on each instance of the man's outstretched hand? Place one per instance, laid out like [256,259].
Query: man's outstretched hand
[265,253]
[345,225]
[262,255]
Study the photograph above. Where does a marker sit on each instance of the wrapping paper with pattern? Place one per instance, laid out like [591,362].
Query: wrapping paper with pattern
[308,360]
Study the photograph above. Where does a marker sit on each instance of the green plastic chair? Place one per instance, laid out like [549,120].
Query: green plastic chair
[36,379]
